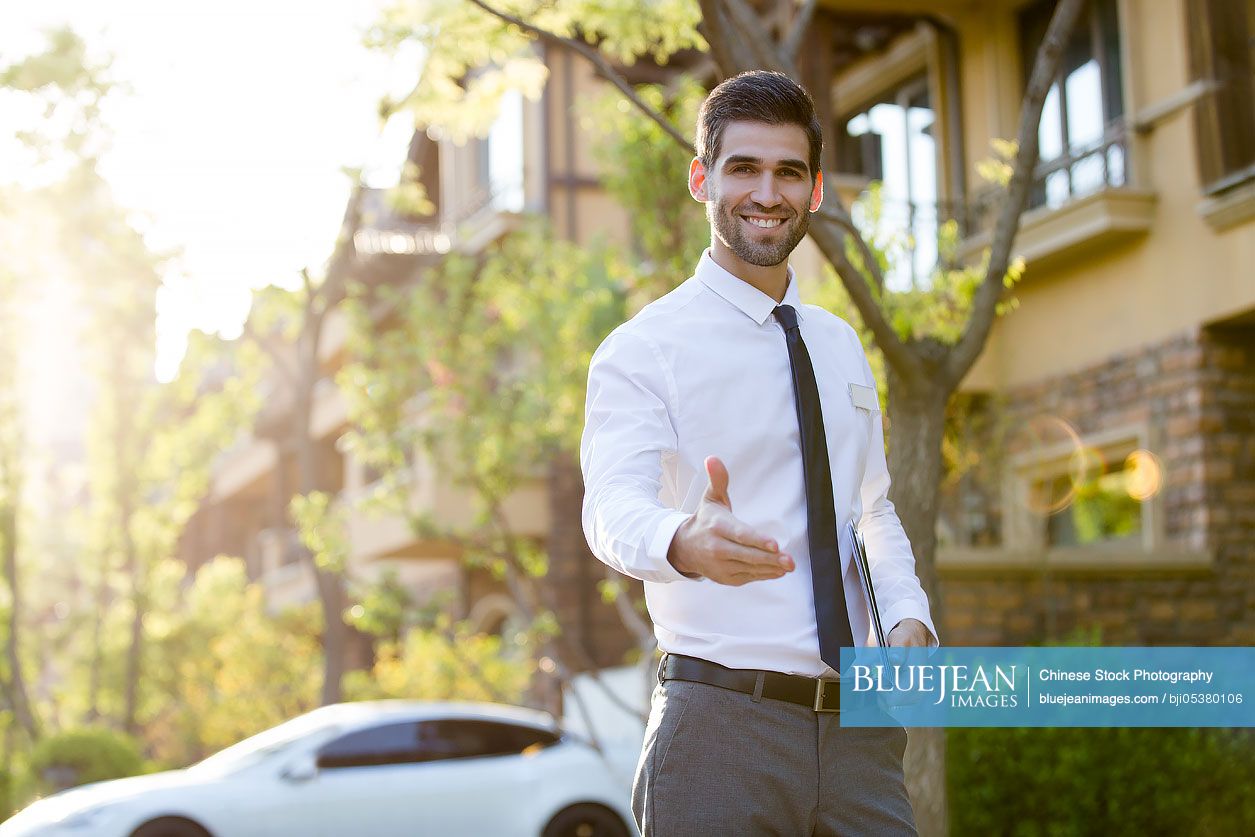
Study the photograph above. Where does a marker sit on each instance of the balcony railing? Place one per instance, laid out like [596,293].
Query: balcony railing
[1081,170]
[393,235]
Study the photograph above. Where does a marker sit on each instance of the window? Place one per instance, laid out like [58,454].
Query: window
[1081,136]
[500,169]
[1096,508]
[458,738]
[891,140]
[386,744]
[1222,51]
[1093,494]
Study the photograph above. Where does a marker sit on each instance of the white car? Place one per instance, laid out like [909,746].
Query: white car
[372,768]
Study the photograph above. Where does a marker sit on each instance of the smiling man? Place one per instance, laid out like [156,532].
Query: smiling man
[730,394]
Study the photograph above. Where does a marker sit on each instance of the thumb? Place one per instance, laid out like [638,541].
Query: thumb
[717,488]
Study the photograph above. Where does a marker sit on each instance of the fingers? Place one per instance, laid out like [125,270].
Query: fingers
[737,532]
[717,484]
[745,563]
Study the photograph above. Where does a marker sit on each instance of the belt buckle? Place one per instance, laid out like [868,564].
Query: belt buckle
[821,687]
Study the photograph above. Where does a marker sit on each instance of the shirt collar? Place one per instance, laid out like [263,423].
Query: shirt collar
[750,300]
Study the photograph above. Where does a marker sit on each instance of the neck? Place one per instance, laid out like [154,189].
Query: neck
[772,280]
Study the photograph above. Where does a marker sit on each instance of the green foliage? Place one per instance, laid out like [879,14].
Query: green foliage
[644,171]
[938,306]
[1031,782]
[484,373]
[472,58]
[323,529]
[447,662]
[221,666]
[384,608]
[1112,781]
[76,757]
[68,86]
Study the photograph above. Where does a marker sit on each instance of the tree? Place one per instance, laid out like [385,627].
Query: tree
[923,368]
[288,326]
[480,370]
[67,89]
[15,690]
[221,667]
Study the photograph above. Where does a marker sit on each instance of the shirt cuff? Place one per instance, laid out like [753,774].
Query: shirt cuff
[909,609]
[660,544]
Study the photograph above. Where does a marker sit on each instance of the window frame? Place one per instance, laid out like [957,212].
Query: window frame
[1212,114]
[1025,529]
[1112,78]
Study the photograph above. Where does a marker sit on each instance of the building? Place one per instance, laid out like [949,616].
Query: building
[1110,414]
[531,162]
[1113,484]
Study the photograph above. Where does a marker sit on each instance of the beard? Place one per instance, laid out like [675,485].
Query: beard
[730,228]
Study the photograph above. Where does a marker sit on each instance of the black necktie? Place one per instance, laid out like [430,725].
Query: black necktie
[832,621]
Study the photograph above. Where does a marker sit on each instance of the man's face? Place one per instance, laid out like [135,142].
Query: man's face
[759,193]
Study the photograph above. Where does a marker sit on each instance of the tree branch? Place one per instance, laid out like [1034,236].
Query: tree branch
[797,31]
[839,215]
[628,615]
[603,66]
[536,596]
[730,49]
[985,305]
[829,237]
[753,30]
[281,363]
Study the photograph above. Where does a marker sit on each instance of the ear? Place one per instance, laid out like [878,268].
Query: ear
[817,194]
[697,181]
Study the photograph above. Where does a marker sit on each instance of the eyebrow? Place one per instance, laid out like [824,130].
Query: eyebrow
[735,159]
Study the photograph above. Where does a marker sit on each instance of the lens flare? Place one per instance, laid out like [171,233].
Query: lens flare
[1143,475]
[1050,439]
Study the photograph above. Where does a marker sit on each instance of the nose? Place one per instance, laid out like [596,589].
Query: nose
[766,191]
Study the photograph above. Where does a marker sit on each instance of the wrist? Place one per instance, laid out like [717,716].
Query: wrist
[676,552]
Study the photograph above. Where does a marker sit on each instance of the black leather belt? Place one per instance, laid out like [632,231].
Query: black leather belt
[812,692]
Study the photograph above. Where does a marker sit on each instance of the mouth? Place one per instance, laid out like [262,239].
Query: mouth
[763,222]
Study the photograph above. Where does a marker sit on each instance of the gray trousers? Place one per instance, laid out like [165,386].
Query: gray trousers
[715,762]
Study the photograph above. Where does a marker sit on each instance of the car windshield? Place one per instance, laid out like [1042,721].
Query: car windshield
[274,740]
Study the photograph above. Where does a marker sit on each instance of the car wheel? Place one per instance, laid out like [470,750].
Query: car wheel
[170,827]
[586,820]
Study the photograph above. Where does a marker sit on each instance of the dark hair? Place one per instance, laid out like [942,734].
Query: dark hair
[757,96]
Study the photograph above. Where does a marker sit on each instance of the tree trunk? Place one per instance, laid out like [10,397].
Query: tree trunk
[98,649]
[330,583]
[135,573]
[17,695]
[124,461]
[918,421]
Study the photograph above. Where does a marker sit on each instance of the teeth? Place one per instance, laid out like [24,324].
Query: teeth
[766,223]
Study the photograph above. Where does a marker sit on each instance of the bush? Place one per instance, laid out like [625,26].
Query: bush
[1029,782]
[77,757]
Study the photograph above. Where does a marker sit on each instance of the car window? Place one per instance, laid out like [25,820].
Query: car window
[267,743]
[469,738]
[385,744]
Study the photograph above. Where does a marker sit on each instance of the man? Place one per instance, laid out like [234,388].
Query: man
[721,467]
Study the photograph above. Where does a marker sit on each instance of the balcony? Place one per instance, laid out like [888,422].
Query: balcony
[277,555]
[1080,201]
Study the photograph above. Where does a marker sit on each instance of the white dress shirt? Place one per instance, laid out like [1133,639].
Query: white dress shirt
[705,371]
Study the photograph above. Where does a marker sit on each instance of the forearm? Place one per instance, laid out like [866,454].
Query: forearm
[628,531]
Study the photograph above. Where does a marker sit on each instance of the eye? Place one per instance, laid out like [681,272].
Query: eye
[741,168]
[790,173]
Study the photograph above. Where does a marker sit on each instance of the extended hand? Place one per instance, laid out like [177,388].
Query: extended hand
[714,544]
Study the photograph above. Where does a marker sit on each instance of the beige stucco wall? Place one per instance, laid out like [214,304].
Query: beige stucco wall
[1179,275]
